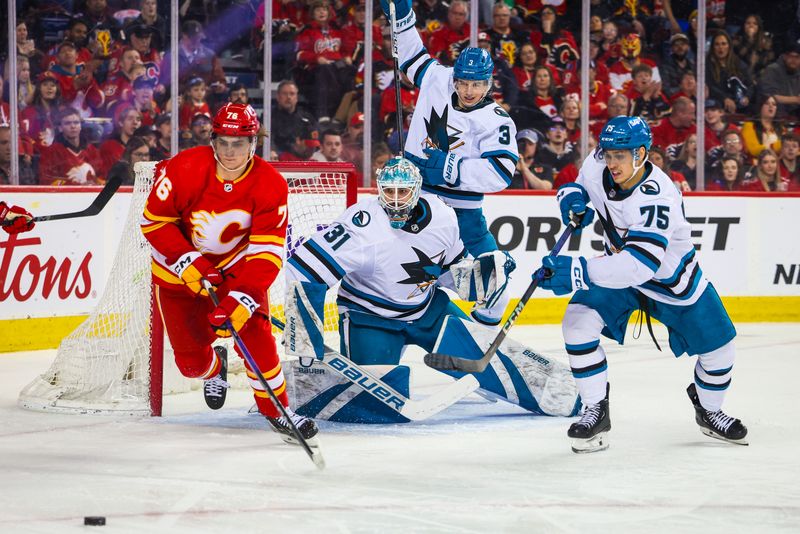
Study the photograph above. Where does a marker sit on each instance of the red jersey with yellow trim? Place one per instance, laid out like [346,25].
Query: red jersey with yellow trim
[239,225]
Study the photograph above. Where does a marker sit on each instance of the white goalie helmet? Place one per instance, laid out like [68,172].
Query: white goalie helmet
[399,186]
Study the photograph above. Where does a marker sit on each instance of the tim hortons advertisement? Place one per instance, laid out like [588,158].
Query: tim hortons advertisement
[60,267]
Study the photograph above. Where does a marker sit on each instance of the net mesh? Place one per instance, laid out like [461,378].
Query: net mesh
[103,366]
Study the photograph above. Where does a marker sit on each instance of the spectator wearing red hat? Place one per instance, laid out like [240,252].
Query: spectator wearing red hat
[126,120]
[306,141]
[37,121]
[70,159]
[194,102]
[447,42]
[408,98]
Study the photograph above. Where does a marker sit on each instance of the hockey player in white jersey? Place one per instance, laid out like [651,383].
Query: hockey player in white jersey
[650,265]
[390,254]
[460,138]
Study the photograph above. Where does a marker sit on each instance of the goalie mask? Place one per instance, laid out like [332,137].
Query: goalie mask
[399,186]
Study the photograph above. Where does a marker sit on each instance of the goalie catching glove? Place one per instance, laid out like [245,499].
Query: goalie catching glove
[484,279]
[305,319]
[236,307]
[192,267]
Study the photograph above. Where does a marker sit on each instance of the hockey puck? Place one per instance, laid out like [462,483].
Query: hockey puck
[94,520]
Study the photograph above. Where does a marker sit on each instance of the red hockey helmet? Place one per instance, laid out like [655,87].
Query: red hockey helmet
[237,120]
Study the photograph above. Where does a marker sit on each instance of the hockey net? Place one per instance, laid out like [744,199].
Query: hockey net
[118,360]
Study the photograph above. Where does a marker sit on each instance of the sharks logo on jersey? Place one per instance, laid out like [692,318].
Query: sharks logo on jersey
[423,272]
[440,134]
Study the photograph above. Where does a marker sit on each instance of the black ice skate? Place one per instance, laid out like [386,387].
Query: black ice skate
[717,424]
[589,434]
[307,427]
[215,389]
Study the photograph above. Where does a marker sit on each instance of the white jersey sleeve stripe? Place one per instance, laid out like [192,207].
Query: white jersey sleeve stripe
[302,268]
[324,258]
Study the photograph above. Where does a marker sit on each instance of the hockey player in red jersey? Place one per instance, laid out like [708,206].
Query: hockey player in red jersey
[219,213]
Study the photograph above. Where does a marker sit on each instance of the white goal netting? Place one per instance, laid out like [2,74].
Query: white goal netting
[106,364]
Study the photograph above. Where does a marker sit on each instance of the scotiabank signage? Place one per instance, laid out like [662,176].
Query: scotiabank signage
[60,267]
[746,245]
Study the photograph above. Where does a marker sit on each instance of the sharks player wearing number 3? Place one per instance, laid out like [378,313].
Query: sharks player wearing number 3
[460,138]
[651,265]
[219,214]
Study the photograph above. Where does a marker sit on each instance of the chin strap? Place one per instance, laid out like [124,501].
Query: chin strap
[246,162]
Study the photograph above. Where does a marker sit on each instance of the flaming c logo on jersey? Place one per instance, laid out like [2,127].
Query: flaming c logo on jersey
[212,232]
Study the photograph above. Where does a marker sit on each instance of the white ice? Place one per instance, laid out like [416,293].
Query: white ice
[478,467]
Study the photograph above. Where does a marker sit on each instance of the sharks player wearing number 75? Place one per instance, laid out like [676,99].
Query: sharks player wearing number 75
[650,264]
[462,141]
[219,214]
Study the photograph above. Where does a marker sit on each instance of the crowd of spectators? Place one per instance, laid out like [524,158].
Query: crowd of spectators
[94,85]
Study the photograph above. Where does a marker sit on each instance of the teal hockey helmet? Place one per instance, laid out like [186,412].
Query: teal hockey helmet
[399,187]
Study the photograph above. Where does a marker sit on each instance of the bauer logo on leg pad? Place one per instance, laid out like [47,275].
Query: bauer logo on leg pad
[383,394]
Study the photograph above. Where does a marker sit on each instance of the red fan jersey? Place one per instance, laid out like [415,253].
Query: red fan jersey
[239,225]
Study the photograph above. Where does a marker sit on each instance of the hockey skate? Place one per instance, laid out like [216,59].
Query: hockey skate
[717,424]
[589,434]
[305,425]
[215,389]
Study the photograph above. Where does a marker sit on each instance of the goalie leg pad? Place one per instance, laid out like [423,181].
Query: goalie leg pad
[305,318]
[322,393]
[518,374]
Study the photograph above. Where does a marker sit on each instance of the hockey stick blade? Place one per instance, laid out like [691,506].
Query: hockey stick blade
[386,394]
[447,362]
[315,454]
[94,208]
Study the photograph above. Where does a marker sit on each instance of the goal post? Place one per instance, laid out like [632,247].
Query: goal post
[118,360]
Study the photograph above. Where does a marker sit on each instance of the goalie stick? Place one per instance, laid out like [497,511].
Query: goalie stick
[414,410]
[447,362]
[315,454]
[94,208]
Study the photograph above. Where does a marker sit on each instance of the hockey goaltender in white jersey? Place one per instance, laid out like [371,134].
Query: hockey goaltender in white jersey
[391,254]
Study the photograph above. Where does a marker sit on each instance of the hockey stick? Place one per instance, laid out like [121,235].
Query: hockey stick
[96,206]
[410,409]
[396,67]
[446,362]
[315,455]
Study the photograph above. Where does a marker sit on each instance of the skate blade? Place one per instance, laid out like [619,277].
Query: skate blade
[714,435]
[313,443]
[596,443]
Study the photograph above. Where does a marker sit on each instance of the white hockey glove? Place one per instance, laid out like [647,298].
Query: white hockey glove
[484,279]
[305,319]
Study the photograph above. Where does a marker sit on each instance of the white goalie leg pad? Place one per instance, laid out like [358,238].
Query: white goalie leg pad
[305,316]
[316,391]
[519,375]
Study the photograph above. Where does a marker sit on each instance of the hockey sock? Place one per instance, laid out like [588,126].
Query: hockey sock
[712,376]
[274,378]
[581,328]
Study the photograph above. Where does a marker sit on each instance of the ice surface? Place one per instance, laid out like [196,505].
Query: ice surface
[478,467]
